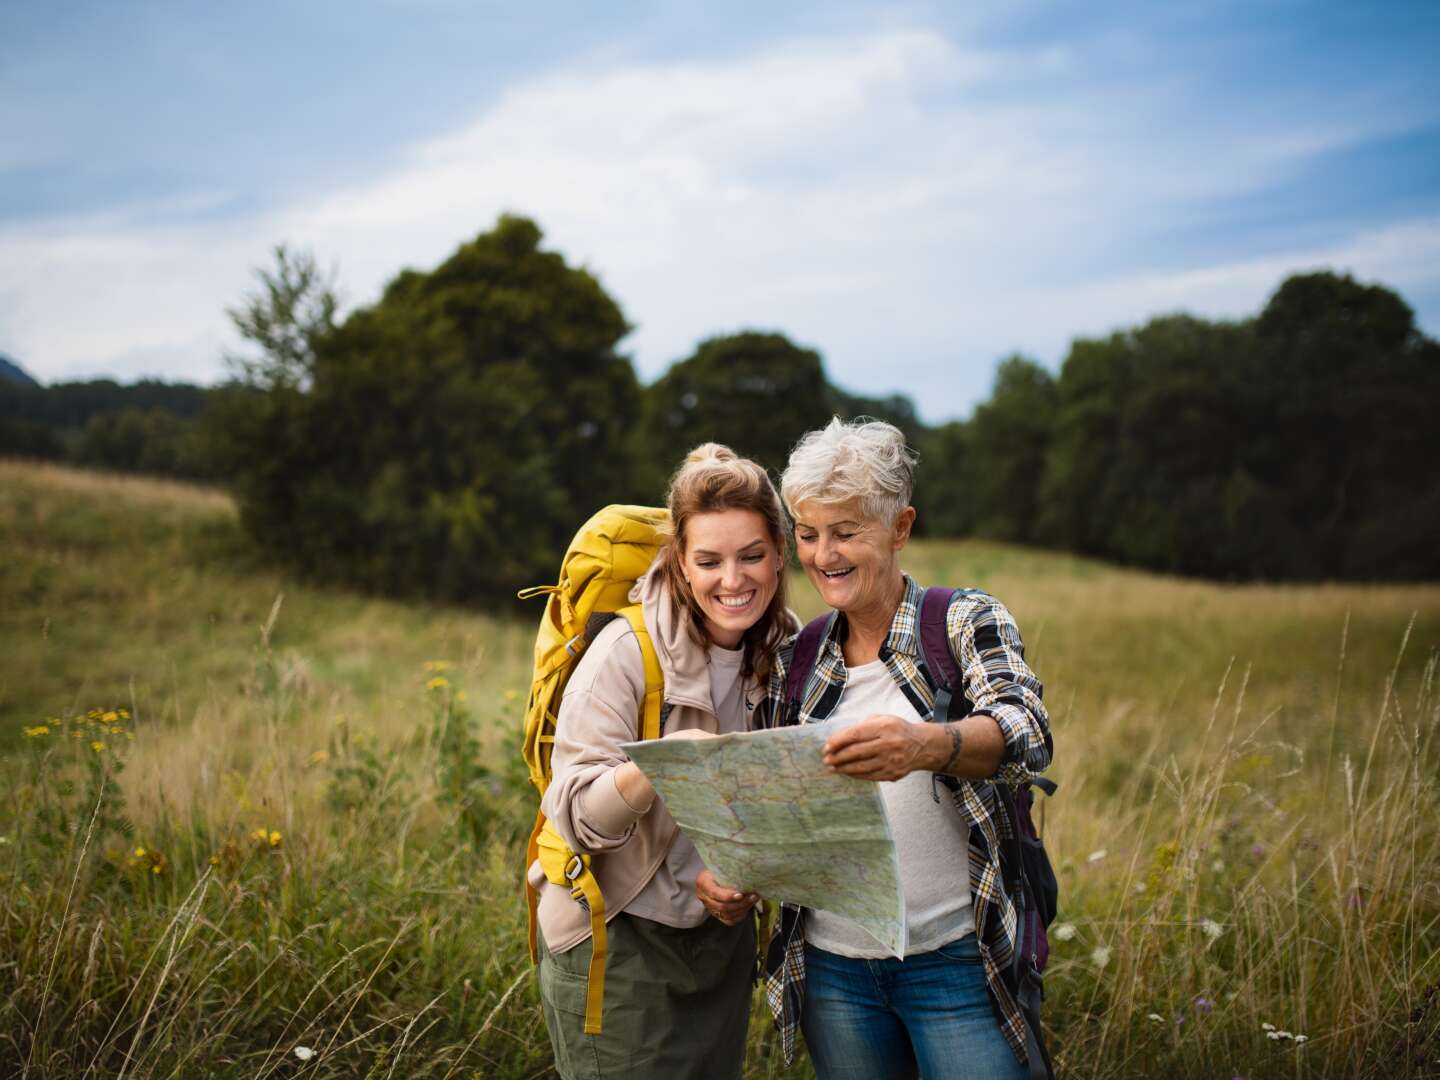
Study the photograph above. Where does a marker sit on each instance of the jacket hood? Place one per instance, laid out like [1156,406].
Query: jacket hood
[685,665]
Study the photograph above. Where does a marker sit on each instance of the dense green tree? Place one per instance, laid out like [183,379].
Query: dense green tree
[755,392]
[1300,444]
[1008,438]
[152,441]
[447,440]
[943,506]
[1343,404]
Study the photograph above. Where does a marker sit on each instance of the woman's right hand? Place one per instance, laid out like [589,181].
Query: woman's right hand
[728,905]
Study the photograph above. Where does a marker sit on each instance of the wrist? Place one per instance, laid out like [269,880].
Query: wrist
[947,750]
[938,738]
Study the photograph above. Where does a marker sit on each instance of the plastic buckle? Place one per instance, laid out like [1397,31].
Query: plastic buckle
[574,868]
[575,645]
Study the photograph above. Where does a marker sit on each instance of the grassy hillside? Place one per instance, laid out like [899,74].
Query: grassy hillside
[309,811]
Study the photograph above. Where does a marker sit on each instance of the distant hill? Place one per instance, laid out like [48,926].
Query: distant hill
[10,371]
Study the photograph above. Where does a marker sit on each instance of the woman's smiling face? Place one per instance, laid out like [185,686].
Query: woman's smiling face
[733,568]
[849,558]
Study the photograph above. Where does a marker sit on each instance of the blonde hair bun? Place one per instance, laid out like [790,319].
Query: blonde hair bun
[710,451]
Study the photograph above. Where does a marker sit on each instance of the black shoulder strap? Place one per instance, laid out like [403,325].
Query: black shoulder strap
[802,663]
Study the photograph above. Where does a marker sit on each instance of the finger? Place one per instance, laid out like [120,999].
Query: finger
[868,750]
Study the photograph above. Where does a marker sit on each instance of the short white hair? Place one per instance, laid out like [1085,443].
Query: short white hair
[852,459]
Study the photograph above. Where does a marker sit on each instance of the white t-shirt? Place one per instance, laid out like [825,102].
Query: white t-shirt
[931,839]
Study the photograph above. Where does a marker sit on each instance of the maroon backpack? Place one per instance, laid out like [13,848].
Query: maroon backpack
[1029,877]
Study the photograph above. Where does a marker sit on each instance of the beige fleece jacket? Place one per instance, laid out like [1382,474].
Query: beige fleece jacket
[643,863]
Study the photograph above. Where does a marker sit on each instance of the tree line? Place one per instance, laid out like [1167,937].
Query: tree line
[446,440]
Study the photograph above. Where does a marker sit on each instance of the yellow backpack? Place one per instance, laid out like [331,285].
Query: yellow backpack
[609,552]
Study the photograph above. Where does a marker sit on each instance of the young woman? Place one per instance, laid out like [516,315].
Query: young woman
[677,984]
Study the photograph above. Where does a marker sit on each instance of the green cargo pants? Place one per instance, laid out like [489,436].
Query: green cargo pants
[677,1002]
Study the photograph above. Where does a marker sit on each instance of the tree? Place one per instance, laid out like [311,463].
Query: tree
[755,392]
[447,440]
[288,318]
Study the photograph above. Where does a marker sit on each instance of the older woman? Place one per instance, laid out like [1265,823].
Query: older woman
[946,1009]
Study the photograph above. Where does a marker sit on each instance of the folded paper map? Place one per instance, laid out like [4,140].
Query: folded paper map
[767,816]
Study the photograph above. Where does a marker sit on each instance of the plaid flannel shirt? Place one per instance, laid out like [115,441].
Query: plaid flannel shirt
[997,683]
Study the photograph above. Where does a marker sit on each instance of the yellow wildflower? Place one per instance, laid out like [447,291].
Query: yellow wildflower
[215,860]
[139,852]
[319,757]
[124,714]
[274,839]
[37,730]
[97,746]
[439,682]
[260,834]
[155,869]
[117,731]
[110,717]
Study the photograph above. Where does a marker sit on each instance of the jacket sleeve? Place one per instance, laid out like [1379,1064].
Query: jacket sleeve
[600,710]
[999,683]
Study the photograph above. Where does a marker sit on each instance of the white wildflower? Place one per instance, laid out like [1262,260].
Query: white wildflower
[1100,955]
[1302,1038]
[1272,1035]
[1097,855]
[1283,1035]
[1217,866]
[1157,1018]
[1139,886]
[1064,932]
[1267,1027]
[1212,929]
[304,1053]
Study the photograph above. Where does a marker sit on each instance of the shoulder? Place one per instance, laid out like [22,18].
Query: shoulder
[975,617]
[612,664]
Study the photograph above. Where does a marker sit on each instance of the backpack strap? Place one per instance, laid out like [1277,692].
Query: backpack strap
[935,645]
[565,867]
[650,715]
[802,663]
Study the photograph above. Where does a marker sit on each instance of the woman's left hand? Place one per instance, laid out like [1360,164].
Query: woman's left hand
[880,747]
[724,903]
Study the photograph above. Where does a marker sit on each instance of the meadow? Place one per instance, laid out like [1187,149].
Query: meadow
[255,828]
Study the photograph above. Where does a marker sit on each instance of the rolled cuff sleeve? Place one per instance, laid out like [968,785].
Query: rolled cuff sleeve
[605,808]
[1000,684]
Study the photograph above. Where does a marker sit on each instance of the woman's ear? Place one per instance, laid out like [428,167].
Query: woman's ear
[904,522]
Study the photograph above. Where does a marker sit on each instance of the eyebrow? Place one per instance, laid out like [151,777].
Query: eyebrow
[833,524]
[747,547]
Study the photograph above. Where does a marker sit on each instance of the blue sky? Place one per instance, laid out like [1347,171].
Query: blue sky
[915,190]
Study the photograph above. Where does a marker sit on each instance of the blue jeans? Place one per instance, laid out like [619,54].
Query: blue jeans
[926,1015]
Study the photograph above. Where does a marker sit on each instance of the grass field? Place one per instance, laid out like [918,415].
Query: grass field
[300,829]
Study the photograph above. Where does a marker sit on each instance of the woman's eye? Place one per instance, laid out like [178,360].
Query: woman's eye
[753,558]
[805,539]
[844,536]
[707,565]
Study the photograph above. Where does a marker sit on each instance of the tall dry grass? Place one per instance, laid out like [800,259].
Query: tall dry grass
[1245,831]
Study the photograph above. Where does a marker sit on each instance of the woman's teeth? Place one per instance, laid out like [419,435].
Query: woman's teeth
[832,574]
[735,601]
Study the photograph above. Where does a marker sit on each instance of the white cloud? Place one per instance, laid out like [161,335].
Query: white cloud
[912,207]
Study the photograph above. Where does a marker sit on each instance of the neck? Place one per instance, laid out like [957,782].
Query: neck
[868,626]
